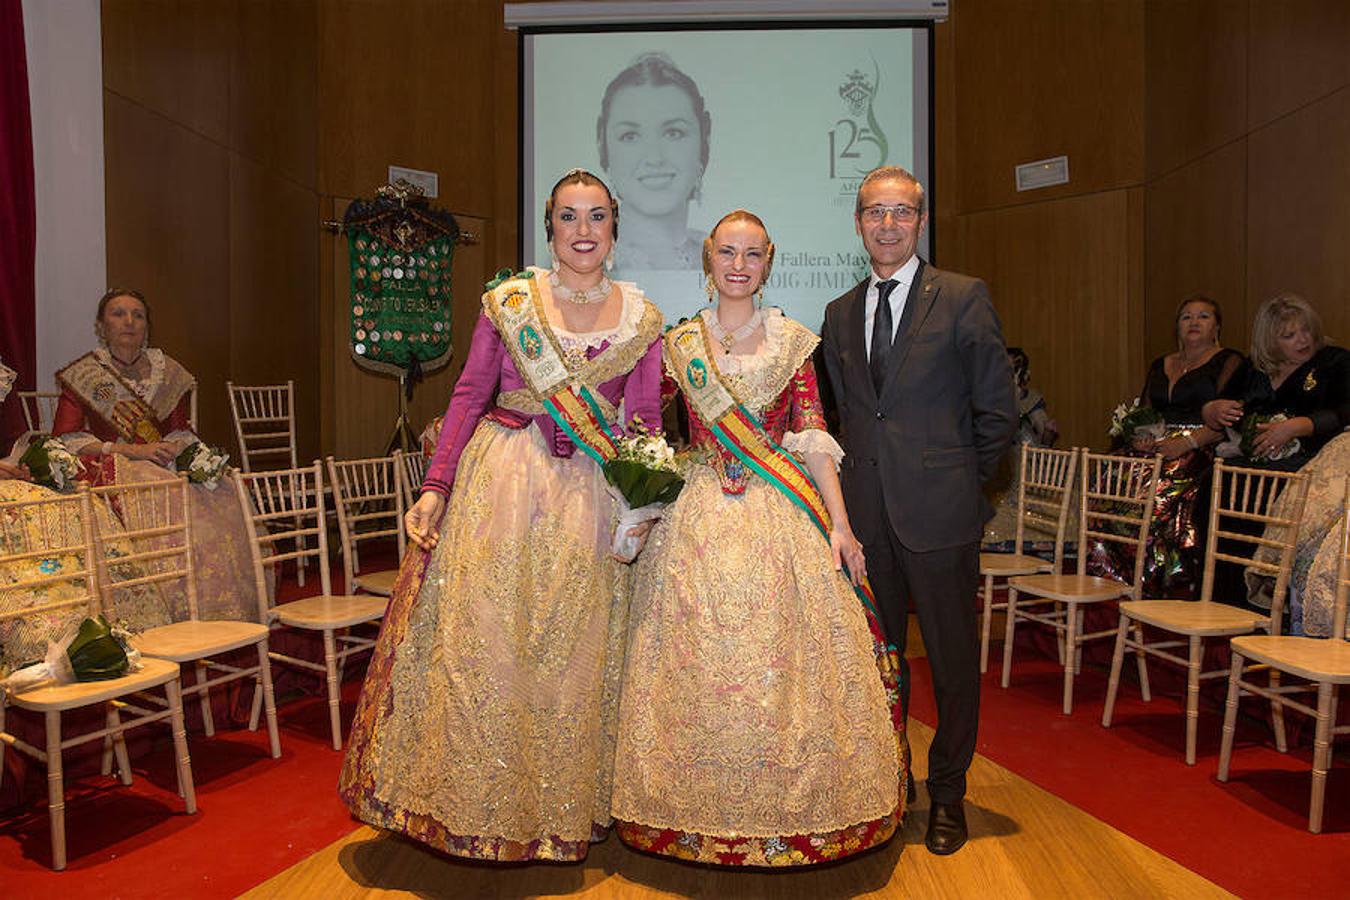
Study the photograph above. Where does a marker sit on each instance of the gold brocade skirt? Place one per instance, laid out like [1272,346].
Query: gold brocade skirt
[752,711]
[486,723]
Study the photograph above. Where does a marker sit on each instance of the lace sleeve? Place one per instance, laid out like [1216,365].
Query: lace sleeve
[806,431]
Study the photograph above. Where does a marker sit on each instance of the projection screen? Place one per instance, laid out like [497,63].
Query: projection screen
[686,125]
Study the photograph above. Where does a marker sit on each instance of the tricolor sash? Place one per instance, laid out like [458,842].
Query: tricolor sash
[517,311]
[104,392]
[689,354]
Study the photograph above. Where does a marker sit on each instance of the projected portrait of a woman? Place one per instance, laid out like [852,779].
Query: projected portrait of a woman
[653,134]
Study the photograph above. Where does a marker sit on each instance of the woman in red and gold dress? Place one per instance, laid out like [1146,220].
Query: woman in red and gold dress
[754,729]
[125,410]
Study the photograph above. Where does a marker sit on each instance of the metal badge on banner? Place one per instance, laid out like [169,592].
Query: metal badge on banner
[401,253]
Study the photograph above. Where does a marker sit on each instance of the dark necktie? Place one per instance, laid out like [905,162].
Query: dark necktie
[882,326]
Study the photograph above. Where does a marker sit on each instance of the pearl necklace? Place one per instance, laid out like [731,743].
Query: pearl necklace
[729,339]
[597,294]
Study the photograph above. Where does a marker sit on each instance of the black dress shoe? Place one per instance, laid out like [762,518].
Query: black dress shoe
[911,792]
[946,828]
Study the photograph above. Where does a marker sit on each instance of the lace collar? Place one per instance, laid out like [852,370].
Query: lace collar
[145,388]
[775,324]
[630,317]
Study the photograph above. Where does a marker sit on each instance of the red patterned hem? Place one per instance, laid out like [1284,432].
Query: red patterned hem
[489,848]
[774,852]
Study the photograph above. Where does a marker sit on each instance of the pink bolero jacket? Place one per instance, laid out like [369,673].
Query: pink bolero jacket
[489,373]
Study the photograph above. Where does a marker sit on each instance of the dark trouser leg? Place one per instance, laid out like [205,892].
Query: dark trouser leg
[941,587]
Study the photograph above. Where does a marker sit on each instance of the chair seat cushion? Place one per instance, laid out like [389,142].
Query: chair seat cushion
[1194,617]
[1078,588]
[58,697]
[1012,564]
[334,611]
[1317,659]
[186,641]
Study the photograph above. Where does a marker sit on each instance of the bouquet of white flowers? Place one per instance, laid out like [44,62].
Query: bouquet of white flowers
[643,479]
[203,464]
[51,464]
[1135,421]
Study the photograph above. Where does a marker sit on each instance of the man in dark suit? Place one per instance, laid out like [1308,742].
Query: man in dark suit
[926,407]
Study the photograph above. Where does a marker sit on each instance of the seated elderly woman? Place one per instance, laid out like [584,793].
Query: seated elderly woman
[1287,414]
[1295,398]
[124,409]
[1177,386]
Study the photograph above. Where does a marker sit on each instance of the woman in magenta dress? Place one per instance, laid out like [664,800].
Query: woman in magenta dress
[486,725]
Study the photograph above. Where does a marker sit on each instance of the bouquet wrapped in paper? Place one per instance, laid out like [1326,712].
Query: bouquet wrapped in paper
[51,463]
[643,480]
[1241,441]
[1133,422]
[91,651]
[203,464]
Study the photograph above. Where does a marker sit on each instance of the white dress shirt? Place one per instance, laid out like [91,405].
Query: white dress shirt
[905,277]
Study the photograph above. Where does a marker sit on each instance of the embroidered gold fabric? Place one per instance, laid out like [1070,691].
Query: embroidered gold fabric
[523,401]
[758,379]
[751,702]
[505,688]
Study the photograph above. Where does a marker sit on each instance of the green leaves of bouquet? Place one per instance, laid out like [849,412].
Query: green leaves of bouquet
[97,654]
[50,463]
[644,469]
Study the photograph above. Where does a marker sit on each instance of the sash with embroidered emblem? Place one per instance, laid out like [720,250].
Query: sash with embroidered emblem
[104,392]
[690,356]
[517,311]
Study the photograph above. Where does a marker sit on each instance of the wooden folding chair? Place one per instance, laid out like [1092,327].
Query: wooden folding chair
[36,603]
[1115,505]
[1237,495]
[410,468]
[293,499]
[152,546]
[264,424]
[369,507]
[1324,662]
[1044,487]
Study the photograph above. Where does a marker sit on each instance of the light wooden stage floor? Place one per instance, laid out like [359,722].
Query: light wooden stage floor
[1025,842]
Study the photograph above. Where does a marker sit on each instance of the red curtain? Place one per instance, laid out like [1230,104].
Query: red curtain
[18,223]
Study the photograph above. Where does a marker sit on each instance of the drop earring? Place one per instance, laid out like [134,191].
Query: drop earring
[609,261]
[759,296]
[709,288]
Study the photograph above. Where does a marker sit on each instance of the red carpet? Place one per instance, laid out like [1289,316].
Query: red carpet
[256,816]
[1248,835]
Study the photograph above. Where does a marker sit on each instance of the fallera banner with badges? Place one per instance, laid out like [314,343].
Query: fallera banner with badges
[400,250]
[685,126]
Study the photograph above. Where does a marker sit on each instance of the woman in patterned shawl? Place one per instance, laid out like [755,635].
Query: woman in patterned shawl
[754,729]
[125,411]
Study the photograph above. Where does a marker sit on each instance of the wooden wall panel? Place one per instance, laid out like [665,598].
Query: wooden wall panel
[167,197]
[1196,242]
[1060,273]
[1298,211]
[1044,79]
[409,82]
[1196,76]
[274,262]
[274,91]
[173,57]
[1300,52]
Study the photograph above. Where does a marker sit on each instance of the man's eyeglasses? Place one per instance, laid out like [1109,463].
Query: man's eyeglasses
[877,214]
